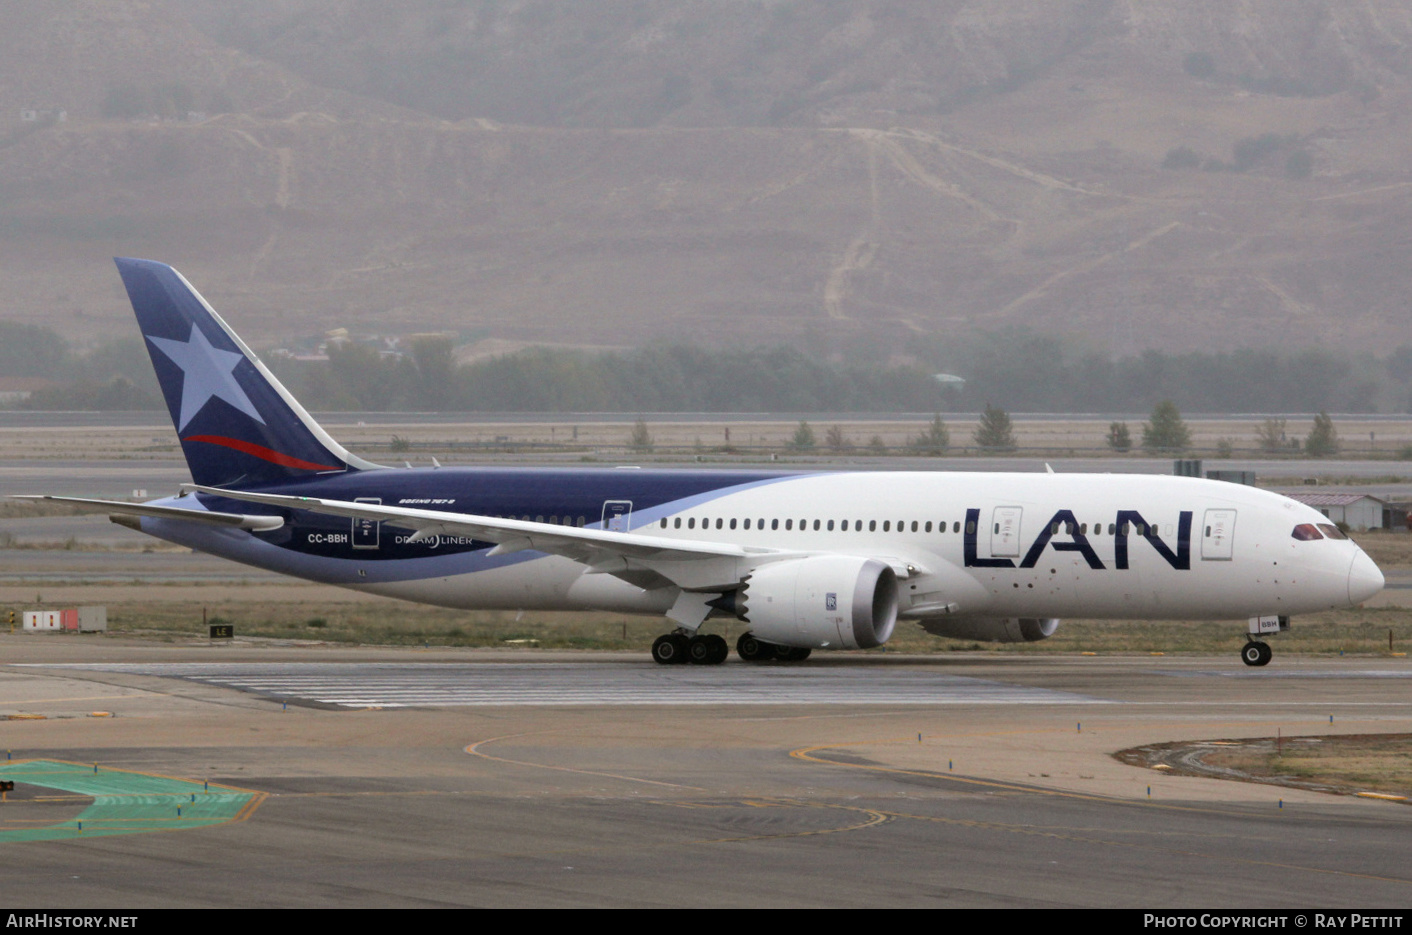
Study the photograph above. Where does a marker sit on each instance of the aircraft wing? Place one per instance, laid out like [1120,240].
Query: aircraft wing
[123,508]
[646,561]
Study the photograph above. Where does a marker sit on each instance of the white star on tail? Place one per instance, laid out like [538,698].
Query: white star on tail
[207,371]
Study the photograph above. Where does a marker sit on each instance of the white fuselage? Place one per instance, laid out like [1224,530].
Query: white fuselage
[997,545]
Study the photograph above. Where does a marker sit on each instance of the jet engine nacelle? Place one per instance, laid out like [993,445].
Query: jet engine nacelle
[993,629]
[823,602]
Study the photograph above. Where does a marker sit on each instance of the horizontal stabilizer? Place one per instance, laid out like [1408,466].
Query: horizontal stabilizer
[236,520]
[687,563]
[516,534]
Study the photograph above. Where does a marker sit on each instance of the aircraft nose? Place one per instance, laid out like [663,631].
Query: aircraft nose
[1364,578]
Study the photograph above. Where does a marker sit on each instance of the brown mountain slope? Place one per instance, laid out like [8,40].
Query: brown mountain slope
[962,165]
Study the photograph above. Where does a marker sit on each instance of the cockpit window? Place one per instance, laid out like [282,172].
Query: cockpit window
[1332,531]
[1305,532]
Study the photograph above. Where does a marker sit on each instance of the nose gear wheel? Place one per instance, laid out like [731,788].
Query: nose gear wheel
[1256,653]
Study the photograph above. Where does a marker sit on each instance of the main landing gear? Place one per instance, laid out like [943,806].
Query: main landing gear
[678,648]
[752,649]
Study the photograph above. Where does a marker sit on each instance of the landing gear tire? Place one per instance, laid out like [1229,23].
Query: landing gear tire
[754,650]
[670,649]
[710,650]
[1255,653]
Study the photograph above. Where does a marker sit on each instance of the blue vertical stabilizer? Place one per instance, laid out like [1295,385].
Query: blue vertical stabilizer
[236,423]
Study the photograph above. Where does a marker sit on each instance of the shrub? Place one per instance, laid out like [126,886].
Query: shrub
[1165,431]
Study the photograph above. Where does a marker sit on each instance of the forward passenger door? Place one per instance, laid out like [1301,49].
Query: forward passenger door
[1005,532]
[1218,535]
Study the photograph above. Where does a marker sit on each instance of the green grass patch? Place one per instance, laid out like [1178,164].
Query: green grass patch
[1379,763]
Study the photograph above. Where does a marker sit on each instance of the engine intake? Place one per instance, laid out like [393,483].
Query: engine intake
[824,602]
[993,629]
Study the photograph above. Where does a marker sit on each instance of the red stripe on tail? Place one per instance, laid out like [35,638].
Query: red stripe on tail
[263,453]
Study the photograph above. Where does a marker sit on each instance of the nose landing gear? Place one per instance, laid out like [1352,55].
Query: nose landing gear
[1256,653]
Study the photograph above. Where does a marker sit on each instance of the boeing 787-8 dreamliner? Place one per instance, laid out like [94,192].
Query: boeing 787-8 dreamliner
[817,560]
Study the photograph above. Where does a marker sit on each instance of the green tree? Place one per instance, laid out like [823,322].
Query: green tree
[435,358]
[364,375]
[1181,157]
[803,439]
[935,440]
[1165,432]
[1119,438]
[994,433]
[1299,164]
[837,441]
[117,394]
[124,101]
[1199,64]
[1270,435]
[1323,439]
[640,439]
[33,351]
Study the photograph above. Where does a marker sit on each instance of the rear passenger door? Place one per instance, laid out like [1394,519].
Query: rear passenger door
[617,515]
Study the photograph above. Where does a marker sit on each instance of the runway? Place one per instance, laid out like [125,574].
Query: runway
[544,779]
[433,685]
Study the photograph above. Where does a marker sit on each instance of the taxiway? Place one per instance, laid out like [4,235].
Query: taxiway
[484,778]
